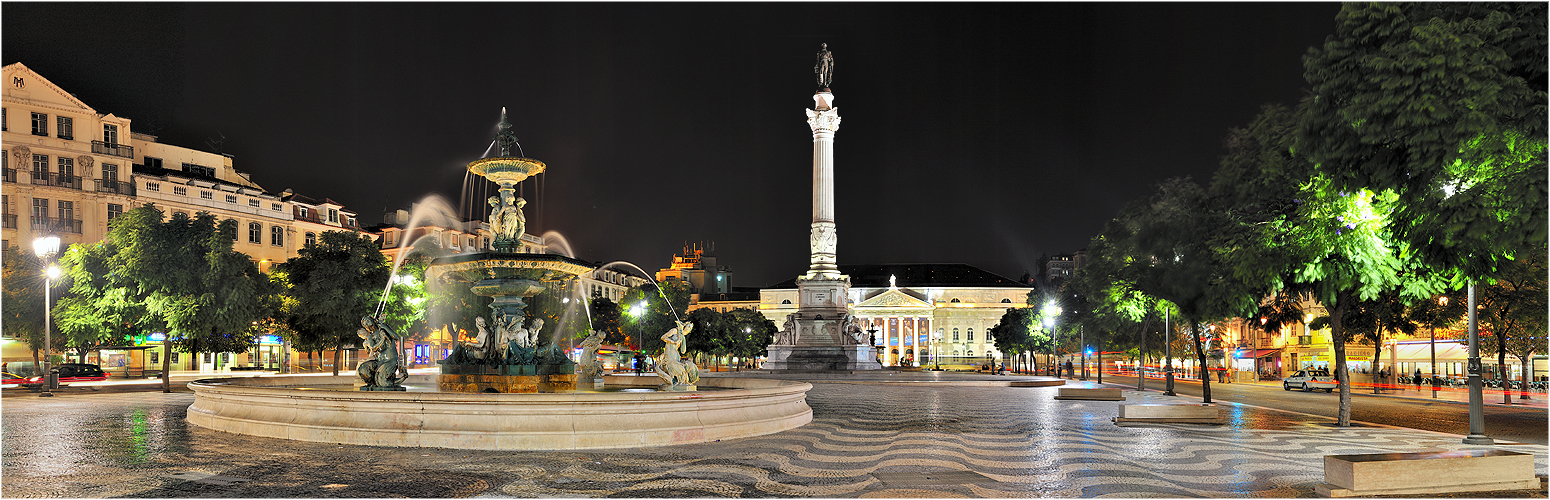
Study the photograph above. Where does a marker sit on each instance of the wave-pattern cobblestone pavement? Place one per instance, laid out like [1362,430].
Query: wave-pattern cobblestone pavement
[878,440]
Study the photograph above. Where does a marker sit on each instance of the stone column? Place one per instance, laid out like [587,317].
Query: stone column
[824,121]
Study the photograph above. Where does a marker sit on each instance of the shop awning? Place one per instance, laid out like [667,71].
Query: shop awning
[1259,353]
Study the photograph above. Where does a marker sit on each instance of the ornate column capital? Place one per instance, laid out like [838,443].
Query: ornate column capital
[827,120]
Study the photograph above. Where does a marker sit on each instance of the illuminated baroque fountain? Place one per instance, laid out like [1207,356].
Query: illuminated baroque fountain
[506,391]
[507,356]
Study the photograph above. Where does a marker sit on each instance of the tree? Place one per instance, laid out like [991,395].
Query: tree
[1444,106]
[606,319]
[752,331]
[205,294]
[99,310]
[22,299]
[664,305]
[1513,309]
[334,283]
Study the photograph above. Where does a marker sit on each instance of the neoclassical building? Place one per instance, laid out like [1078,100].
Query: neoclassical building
[920,312]
[70,169]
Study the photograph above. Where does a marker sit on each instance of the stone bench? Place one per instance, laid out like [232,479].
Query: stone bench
[1089,394]
[1169,414]
[1427,472]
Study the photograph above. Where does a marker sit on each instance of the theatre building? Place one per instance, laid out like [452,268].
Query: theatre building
[919,313]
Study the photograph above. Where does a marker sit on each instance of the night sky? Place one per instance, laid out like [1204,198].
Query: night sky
[978,133]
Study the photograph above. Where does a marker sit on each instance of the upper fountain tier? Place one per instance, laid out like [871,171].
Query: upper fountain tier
[506,169]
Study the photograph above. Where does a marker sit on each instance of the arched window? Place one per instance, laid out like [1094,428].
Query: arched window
[971,336]
[1006,301]
[277,236]
[255,232]
[970,353]
[787,301]
[312,238]
[955,300]
[955,335]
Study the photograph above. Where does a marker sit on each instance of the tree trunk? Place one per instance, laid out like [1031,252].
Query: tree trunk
[1200,355]
[1523,377]
[1336,332]
[1501,369]
[1100,364]
[338,349]
[36,364]
[1377,354]
[166,363]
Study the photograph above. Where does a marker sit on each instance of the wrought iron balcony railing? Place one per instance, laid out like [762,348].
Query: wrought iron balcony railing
[10,221]
[10,175]
[53,179]
[116,187]
[104,148]
[50,224]
[310,217]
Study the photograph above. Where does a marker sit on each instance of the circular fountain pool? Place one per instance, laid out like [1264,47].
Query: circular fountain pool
[308,408]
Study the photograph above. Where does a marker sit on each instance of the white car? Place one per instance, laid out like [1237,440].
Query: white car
[1310,380]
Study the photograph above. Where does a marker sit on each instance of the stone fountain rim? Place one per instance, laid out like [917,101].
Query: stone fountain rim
[442,265]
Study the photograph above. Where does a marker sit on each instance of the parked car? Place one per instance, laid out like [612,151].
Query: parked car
[1310,380]
[69,373]
[9,380]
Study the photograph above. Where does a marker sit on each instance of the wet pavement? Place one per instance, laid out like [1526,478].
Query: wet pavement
[883,434]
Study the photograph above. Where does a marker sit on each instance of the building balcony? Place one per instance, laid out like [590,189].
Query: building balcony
[115,187]
[10,221]
[104,148]
[48,224]
[10,175]
[53,179]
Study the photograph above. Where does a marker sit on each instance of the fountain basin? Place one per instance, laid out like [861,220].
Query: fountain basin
[506,170]
[503,267]
[280,407]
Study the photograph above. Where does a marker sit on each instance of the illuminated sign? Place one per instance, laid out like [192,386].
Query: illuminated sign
[157,337]
[269,339]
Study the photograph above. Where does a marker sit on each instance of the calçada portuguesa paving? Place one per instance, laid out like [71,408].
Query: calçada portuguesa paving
[885,434]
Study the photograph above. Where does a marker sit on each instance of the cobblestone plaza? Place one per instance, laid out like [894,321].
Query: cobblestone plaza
[875,435]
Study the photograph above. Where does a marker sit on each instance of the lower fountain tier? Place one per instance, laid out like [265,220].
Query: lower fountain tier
[822,357]
[506,384]
[281,407]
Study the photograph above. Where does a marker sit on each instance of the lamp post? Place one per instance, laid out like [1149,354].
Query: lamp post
[45,248]
[1441,301]
[1476,400]
[936,340]
[635,312]
[1167,355]
[1081,335]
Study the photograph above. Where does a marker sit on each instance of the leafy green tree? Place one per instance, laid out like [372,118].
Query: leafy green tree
[1444,106]
[334,283]
[205,294]
[405,308]
[664,305]
[606,318]
[1513,309]
[22,299]
[753,332]
[710,337]
[99,309]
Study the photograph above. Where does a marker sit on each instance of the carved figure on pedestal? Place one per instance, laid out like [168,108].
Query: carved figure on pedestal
[825,67]
[480,347]
[381,370]
[788,332]
[506,218]
[671,367]
[588,368]
[853,333]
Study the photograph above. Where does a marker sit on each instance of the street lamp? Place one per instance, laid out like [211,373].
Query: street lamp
[46,248]
[936,340]
[1441,301]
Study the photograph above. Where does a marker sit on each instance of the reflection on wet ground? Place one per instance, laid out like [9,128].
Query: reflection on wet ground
[865,440]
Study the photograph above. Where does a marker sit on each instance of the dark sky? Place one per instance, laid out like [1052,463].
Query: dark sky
[978,133]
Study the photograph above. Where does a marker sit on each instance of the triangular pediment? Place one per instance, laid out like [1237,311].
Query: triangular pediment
[894,298]
[22,83]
